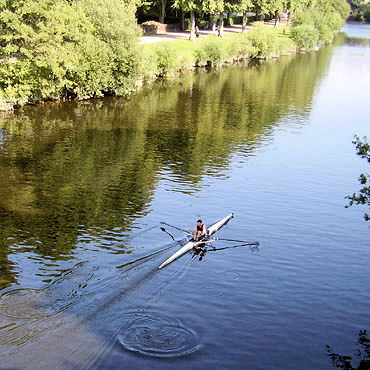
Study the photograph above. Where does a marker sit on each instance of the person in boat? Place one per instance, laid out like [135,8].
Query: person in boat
[199,231]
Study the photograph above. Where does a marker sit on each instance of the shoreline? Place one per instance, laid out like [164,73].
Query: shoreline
[221,52]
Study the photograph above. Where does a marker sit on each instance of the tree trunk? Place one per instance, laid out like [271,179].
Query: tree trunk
[221,25]
[192,27]
[182,21]
[277,17]
[228,18]
[244,22]
[162,10]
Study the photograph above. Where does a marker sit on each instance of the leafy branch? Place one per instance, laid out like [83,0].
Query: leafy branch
[363,196]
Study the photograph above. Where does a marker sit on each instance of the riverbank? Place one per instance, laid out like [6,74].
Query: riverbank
[116,62]
[167,58]
[167,55]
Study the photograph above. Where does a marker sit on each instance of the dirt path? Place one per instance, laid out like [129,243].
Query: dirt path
[171,36]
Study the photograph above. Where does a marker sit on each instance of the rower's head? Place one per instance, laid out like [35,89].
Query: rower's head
[199,222]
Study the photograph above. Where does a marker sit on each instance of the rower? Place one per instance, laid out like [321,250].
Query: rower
[199,231]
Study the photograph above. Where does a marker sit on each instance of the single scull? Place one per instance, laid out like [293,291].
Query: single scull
[192,243]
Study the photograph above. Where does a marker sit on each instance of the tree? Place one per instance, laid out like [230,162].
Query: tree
[188,6]
[363,197]
[204,6]
[57,48]
[213,7]
[269,7]
[239,6]
[161,9]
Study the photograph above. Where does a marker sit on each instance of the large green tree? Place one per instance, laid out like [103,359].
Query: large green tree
[56,48]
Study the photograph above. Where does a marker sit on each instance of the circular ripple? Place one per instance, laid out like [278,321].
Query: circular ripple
[24,303]
[211,290]
[231,275]
[157,335]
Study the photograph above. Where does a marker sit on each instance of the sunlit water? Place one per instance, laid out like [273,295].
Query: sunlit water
[85,186]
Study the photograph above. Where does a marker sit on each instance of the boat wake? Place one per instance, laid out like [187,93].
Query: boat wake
[88,316]
[27,303]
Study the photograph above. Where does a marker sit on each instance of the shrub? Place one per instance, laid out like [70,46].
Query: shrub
[148,67]
[264,40]
[286,46]
[167,60]
[326,35]
[186,60]
[242,48]
[212,51]
[305,36]
[326,20]
[335,22]
[201,57]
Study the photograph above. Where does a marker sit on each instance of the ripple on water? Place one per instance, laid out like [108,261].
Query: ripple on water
[157,335]
[28,303]
[231,275]
[24,303]
[211,290]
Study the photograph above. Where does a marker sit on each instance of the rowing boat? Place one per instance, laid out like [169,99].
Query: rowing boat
[192,243]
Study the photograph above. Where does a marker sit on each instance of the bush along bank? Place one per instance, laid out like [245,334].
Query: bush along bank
[56,49]
[166,59]
[311,28]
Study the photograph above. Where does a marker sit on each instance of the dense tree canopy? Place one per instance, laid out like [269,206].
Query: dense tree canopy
[54,48]
[263,8]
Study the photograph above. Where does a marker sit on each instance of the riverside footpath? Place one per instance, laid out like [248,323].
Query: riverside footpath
[172,36]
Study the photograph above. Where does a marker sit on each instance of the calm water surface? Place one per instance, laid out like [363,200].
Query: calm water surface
[84,187]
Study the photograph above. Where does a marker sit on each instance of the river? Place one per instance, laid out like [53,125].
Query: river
[84,187]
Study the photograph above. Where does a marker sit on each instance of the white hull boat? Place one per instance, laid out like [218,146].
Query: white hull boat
[192,243]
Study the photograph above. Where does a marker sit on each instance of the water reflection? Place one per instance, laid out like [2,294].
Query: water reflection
[77,175]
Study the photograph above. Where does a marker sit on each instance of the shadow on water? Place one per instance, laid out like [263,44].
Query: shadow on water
[26,303]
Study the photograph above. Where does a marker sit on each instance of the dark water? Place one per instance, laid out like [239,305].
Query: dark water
[84,187]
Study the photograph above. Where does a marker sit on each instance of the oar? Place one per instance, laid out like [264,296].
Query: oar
[165,231]
[177,228]
[233,246]
[238,241]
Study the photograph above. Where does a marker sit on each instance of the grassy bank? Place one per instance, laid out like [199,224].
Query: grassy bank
[166,59]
